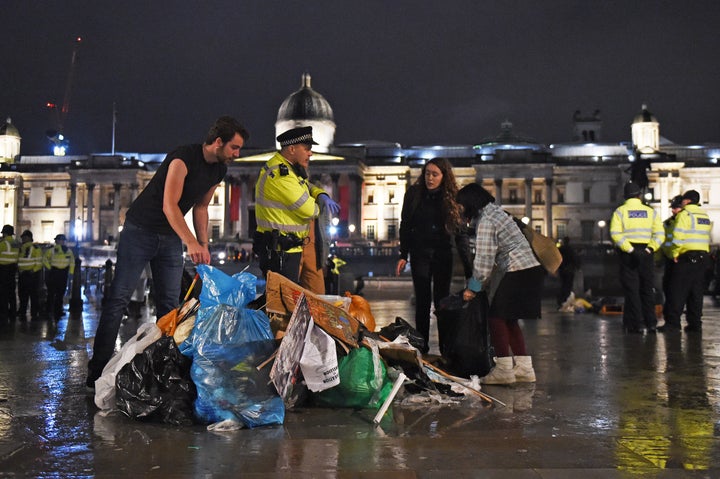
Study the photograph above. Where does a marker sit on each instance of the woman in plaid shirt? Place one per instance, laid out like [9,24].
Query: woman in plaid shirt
[506,268]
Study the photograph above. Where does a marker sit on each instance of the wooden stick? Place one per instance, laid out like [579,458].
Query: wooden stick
[265,363]
[442,373]
[396,387]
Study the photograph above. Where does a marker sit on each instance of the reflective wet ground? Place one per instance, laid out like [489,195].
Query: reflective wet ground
[605,405]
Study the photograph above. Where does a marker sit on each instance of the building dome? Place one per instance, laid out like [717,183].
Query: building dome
[306,107]
[9,142]
[9,129]
[645,116]
[305,104]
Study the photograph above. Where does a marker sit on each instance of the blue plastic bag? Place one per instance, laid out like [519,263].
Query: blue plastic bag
[227,342]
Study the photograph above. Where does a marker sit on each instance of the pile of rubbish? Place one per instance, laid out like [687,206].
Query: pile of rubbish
[216,360]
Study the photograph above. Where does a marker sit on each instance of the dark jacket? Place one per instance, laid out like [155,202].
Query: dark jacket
[422,226]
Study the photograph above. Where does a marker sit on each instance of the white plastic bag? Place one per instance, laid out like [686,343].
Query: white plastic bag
[318,362]
[146,334]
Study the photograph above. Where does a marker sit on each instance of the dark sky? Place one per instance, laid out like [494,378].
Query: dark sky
[410,71]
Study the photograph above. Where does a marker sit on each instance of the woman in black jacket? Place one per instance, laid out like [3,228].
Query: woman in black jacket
[430,219]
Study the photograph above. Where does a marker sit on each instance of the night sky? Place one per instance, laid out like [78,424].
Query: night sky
[414,72]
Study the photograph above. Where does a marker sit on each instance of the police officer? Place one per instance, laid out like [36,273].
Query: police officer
[285,203]
[59,262]
[689,250]
[637,232]
[675,207]
[8,271]
[30,264]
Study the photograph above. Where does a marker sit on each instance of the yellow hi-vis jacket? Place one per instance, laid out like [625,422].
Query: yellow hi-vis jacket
[8,251]
[55,257]
[691,231]
[634,222]
[337,264]
[31,258]
[284,201]
[665,248]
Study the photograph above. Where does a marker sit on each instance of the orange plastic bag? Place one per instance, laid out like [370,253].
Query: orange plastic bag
[360,310]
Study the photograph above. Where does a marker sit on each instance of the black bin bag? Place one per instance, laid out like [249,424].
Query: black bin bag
[156,385]
[464,335]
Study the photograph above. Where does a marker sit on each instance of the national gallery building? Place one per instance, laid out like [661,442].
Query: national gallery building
[563,189]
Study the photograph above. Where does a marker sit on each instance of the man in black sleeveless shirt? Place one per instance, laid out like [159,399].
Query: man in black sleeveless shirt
[155,230]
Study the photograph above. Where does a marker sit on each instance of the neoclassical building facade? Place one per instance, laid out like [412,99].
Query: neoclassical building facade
[564,189]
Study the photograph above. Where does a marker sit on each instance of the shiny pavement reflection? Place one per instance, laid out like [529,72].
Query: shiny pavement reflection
[605,404]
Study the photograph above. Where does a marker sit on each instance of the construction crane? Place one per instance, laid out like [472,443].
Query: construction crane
[56,136]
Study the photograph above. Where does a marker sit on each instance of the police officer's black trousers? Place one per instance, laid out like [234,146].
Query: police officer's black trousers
[8,304]
[686,290]
[636,278]
[29,292]
[56,281]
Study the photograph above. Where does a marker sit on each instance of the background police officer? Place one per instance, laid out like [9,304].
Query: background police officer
[30,262]
[636,230]
[59,262]
[676,205]
[8,271]
[689,249]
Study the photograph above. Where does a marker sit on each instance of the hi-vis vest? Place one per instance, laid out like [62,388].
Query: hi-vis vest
[55,257]
[284,201]
[8,251]
[30,258]
[691,231]
[634,222]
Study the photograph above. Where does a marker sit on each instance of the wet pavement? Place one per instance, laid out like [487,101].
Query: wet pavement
[605,405]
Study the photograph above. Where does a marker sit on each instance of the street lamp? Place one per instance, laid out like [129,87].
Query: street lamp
[601,224]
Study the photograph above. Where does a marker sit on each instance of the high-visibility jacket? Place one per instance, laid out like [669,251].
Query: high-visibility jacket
[30,258]
[60,257]
[691,231]
[668,227]
[337,264]
[284,201]
[8,251]
[634,222]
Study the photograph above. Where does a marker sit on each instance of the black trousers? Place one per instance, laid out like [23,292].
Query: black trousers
[686,289]
[29,292]
[56,280]
[567,278]
[8,304]
[636,277]
[432,275]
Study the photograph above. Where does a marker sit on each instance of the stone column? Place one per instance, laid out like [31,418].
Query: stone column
[498,191]
[73,211]
[528,198]
[90,211]
[548,207]
[133,191]
[354,192]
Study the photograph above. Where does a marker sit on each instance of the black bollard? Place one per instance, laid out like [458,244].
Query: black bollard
[107,280]
[76,303]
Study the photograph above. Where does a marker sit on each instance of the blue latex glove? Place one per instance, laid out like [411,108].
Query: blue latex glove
[474,285]
[326,202]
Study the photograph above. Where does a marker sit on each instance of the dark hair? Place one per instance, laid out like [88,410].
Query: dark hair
[692,196]
[225,128]
[472,198]
[448,188]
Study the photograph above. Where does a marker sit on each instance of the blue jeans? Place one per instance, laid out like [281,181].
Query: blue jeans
[136,248]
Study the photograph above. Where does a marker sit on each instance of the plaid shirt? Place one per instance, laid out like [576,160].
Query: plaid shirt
[499,245]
